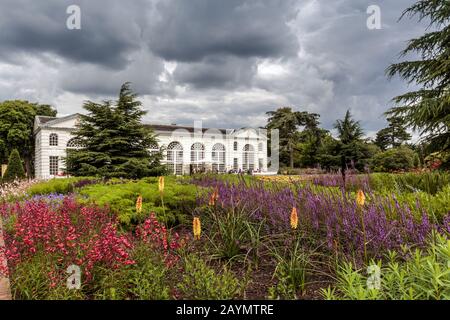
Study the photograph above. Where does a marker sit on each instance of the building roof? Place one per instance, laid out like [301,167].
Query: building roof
[45,119]
[173,127]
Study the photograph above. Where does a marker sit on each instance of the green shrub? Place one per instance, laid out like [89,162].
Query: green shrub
[59,186]
[15,168]
[292,270]
[201,282]
[147,279]
[423,276]
[416,161]
[30,281]
[430,182]
[436,206]
[179,199]
[395,159]
[228,231]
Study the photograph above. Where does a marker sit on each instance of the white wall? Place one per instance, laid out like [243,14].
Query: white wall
[185,138]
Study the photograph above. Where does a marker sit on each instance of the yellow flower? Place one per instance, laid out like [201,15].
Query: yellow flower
[294,218]
[197,227]
[360,198]
[161,184]
[214,197]
[139,204]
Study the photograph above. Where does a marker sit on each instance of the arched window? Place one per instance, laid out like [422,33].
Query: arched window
[175,158]
[248,157]
[218,158]
[53,139]
[197,157]
[72,144]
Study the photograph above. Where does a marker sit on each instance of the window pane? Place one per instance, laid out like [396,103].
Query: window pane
[54,165]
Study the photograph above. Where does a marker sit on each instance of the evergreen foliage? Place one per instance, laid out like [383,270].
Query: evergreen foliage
[115,142]
[15,168]
[394,135]
[428,108]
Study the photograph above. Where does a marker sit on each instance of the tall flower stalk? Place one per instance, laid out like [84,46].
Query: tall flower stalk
[197,228]
[161,194]
[360,201]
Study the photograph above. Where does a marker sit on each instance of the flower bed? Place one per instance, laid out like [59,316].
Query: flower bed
[381,224]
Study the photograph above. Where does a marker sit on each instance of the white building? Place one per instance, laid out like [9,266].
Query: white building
[186,149]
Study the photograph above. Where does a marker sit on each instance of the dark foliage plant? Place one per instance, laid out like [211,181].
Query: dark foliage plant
[15,168]
[115,142]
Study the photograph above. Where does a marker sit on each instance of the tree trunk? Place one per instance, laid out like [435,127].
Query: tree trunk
[27,161]
[291,156]
[343,167]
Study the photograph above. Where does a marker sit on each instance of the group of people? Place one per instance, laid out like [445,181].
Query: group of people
[202,169]
[240,171]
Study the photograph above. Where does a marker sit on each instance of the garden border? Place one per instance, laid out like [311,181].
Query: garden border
[5,290]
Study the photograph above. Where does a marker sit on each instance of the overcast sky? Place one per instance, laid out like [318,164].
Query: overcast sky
[224,62]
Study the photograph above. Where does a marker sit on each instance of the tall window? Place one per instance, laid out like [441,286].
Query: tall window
[260,147]
[53,139]
[218,157]
[54,164]
[154,149]
[248,158]
[197,157]
[175,158]
[235,164]
[235,146]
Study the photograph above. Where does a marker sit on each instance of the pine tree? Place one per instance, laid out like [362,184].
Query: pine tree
[427,109]
[394,135]
[351,149]
[15,168]
[115,142]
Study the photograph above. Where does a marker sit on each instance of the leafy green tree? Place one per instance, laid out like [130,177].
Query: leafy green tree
[115,142]
[288,123]
[395,159]
[328,153]
[15,168]
[310,146]
[428,108]
[16,129]
[352,149]
[394,135]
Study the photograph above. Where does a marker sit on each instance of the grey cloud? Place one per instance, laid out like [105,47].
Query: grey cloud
[331,60]
[217,72]
[107,33]
[191,30]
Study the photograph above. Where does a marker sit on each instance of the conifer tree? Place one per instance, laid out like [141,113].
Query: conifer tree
[394,135]
[15,168]
[114,141]
[428,108]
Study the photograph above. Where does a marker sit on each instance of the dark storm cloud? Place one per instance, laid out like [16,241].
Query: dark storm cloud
[226,62]
[191,30]
[107,35]
[217,72]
